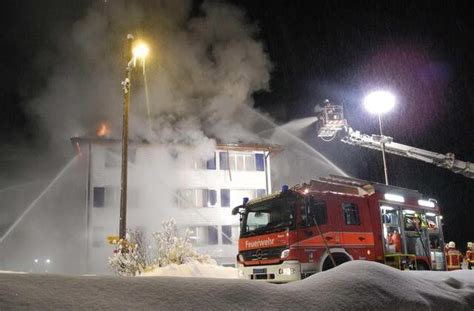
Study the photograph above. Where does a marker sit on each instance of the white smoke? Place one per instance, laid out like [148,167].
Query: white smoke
[205,63]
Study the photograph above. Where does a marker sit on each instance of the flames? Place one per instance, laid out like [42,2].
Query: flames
[103,130]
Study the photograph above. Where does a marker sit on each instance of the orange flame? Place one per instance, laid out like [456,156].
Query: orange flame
[103,130]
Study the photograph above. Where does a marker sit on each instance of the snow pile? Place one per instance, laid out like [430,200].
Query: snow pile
[194,269]
[357,285]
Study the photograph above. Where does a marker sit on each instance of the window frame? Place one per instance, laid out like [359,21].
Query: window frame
[355,210]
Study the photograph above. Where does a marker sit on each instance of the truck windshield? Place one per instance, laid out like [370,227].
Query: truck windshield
[268,216]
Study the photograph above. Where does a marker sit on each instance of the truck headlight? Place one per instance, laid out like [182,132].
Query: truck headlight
[285,254]
[286,271]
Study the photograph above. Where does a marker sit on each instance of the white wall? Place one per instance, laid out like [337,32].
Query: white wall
[155,178]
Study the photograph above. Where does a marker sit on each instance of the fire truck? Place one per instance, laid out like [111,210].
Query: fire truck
[318,225]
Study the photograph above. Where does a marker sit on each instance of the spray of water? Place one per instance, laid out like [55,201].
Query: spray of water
[282,135]
[13,187]
[147,100]
[33,203]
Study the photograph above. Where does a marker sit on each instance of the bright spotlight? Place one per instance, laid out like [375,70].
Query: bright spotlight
[36,260]
[48,260]
[379,102]
[140,50]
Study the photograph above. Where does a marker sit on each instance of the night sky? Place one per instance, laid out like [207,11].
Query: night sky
[421,50]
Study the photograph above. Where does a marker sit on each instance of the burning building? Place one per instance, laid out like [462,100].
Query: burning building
[165,183]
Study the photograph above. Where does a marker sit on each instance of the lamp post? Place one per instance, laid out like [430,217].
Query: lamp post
[380,102]
[134,52]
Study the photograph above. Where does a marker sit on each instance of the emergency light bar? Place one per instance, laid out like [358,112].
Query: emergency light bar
[394,197]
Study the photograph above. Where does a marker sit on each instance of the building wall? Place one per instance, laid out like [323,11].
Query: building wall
[163,185]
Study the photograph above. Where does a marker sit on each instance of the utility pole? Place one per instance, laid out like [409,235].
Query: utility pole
[126,87]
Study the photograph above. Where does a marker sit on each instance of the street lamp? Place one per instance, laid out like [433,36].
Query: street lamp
[380,102]
[134,52]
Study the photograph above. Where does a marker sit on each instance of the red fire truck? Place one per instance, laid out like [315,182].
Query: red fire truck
[313,227]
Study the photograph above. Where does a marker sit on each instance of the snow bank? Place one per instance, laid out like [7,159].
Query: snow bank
[355,285]
[18,272]
[194,269]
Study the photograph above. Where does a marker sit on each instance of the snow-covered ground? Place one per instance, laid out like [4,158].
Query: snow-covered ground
[194,269]
[357,285]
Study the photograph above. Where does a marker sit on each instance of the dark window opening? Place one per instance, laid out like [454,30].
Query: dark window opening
[212,237]
[224,160]
[225,197]
[99,196]
[314,211]
[260,161]
[211,197]
[351,213]
[211,163]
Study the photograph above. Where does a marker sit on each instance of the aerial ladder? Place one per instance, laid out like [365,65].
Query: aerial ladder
[333,124]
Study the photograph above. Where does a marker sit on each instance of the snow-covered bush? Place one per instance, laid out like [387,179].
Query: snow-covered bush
[132,257]
[172,249]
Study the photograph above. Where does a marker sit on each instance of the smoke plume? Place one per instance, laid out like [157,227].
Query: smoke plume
[204,65]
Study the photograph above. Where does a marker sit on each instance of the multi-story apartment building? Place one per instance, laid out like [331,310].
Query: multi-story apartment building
[197,191]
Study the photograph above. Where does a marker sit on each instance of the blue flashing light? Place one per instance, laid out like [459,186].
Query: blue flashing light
[284,188]
[246,200]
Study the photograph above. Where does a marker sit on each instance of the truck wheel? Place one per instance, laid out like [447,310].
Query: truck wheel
[339,258]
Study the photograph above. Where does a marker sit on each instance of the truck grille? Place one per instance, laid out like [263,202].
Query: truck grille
[263,253]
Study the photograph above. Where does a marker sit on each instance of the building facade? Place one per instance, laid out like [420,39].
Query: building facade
[196,190]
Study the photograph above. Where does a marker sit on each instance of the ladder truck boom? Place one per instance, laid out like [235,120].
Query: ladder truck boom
[333,122]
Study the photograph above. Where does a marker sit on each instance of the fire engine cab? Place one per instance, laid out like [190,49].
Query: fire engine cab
[316,226]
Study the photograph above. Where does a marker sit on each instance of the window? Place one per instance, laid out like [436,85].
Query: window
[351,213]
[211,163]
[224,160]
[242,162]
[313,210]
[225,198]
[203,235]
[99,196]
[211,197]
[227,235]
[199,164]
[319,211]
[269,216]
[260,161]
[237,196]
[212,237]
[197,198]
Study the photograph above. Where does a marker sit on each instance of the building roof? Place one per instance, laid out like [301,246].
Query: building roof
[78,141]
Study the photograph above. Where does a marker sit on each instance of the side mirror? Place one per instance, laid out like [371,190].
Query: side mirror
[236,210]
